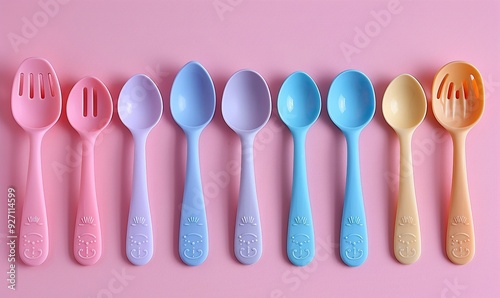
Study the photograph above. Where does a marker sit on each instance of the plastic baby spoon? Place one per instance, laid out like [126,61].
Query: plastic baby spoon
[192,103]
[246,108]
[351,106]
[89,111]
[299,105]
[458,104]
[36,107]
[140,107]
[404,107]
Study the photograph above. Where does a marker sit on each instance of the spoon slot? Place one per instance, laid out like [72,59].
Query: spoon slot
[42,87]
[441,87]
[94,102]
[85,102]
[21,84]
[31,83]
[51,84]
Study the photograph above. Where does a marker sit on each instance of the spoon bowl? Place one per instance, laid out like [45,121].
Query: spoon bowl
[246,108]
[36,95]
[458,96]
[351,100]
[299,105]
[192,99]
[404,105]
[140,105]
[89,107]
[192,103]
[246,104]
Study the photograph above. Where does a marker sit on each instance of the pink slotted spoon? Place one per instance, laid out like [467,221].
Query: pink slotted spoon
[36,106]
[89,111]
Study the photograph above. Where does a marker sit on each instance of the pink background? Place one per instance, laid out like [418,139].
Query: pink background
[114,40]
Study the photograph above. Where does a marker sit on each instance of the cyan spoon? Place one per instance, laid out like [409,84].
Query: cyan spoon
[299,105]
[246,108]
[192,103]
[351,106]
[140,107]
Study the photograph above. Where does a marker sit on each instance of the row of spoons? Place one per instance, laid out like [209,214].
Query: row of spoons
[246,108]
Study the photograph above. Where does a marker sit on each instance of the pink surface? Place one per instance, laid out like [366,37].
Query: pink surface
[114,40]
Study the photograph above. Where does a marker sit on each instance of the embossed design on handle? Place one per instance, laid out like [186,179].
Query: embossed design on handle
[193,220]
[300,246]
[407,237]
[89,241]
[33,220]
[136,244]
[406,249]
[353,220]
[299,249]
[194,247]
[249,243]
[300,220]
[86,220]
[460,220]
[353,252]
[139,220]
[248,220]
[461,241]
[406,220]
[34,240]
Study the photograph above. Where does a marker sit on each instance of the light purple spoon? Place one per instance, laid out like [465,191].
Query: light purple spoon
[140,108]
[246,108]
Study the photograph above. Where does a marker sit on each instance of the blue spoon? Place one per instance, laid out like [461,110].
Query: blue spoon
[192,103]
[299,105]
[351,106]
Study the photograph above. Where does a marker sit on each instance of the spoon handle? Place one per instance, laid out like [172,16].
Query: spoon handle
[248,234]
[353,232]
[34,231]
[193,231]
[460,244]
[87,245]
[407,242]
[139,242]
[300,240]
